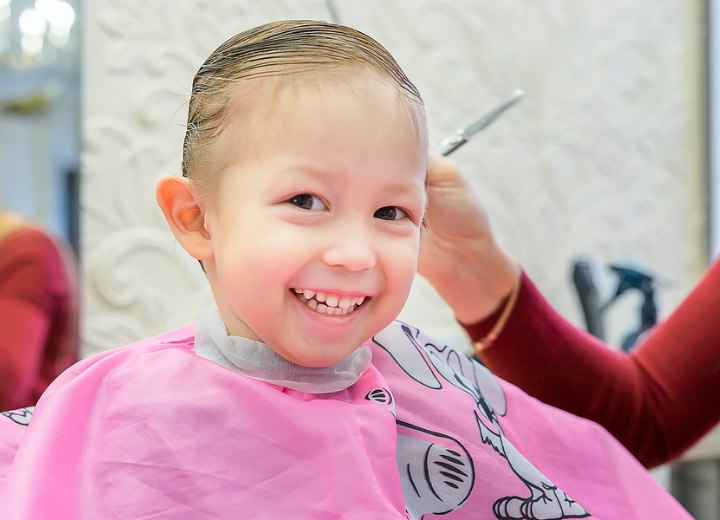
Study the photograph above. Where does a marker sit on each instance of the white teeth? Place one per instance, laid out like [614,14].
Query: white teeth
[331,305]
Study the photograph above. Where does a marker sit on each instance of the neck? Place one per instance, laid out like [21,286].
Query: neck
[256,360]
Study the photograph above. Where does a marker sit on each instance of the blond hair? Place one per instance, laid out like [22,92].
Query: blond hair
[275,49]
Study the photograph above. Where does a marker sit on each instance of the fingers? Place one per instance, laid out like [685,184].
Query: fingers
[444,173]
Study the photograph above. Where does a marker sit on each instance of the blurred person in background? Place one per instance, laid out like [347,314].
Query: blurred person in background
[38,311]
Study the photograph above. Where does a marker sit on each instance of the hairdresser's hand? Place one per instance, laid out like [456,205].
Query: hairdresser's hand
[458,253]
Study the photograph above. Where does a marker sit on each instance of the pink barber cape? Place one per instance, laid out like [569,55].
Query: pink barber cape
[152,431]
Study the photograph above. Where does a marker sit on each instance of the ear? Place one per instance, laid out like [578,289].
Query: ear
[185,214]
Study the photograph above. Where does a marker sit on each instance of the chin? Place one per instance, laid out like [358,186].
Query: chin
[325,358]
[317,361]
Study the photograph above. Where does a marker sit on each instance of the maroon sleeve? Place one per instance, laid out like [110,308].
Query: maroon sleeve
[34,293]
[657,401]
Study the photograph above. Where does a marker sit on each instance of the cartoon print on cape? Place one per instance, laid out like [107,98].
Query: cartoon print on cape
[441,479]
[20,416]
[446,477]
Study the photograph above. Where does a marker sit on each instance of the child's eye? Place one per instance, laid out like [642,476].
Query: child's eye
[390,213]
[308,202]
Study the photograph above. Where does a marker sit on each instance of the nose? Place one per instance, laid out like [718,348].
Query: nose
[351,249]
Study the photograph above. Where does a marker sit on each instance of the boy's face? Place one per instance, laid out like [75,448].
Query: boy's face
[315,222]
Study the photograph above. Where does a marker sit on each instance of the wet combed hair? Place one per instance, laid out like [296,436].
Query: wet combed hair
[285,48]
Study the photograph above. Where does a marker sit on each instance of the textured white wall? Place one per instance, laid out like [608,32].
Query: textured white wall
[603,158]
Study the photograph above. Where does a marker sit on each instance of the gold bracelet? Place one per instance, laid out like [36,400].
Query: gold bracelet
[491,336]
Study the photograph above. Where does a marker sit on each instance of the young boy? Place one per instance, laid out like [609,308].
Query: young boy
[303,196]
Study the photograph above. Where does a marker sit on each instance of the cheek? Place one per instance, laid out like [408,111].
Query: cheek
[263,266]
[254,245]
[401,262]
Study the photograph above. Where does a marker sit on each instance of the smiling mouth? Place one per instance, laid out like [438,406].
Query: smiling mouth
[329,304]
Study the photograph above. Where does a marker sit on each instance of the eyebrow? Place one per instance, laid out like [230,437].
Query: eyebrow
[304,169]
[318,172]
[312,170]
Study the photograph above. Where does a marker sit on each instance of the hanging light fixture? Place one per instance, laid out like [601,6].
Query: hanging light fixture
[37,39]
